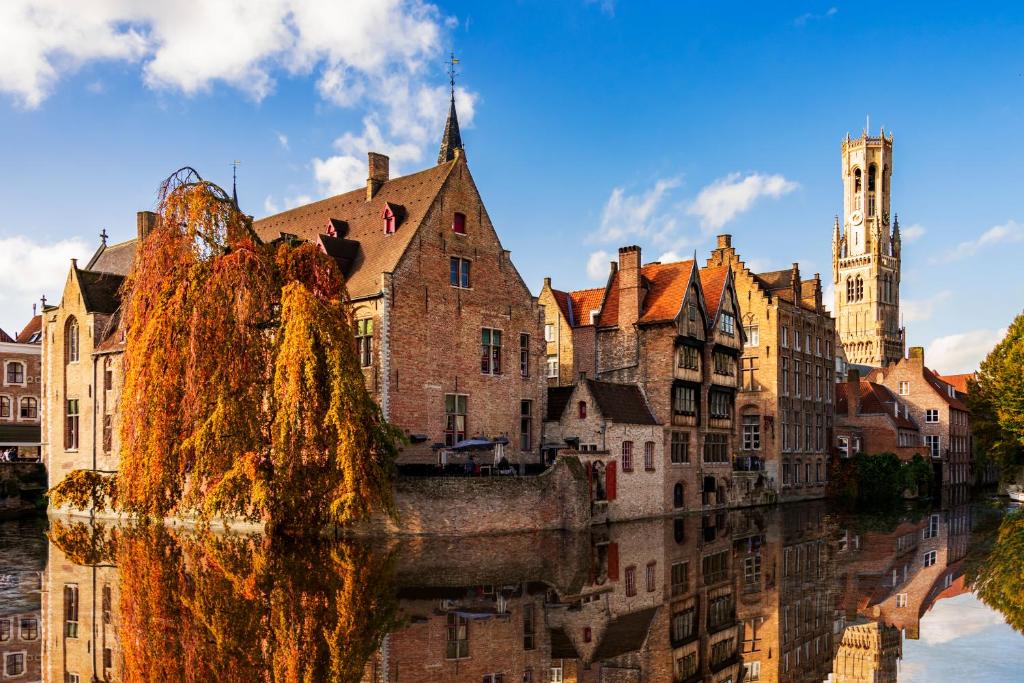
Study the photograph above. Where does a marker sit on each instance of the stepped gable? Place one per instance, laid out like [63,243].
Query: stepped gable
[378,252]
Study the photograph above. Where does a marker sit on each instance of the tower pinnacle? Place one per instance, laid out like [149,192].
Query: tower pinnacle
[452,139]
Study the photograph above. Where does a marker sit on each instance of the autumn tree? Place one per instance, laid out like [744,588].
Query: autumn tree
[243,395]
[996,401]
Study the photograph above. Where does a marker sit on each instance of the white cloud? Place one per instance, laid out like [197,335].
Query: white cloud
[297,200]
[957,353]
[597,265]
[282,140]
[31,270]
[919,310]
[1010,231]
[913,233]
[807,17]
[627,215]
[957,618]
[339,174]
[270,206]
[726,198]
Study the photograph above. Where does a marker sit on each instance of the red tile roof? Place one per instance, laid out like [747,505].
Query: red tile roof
[583,302]
[712,281]
[940,388]
[959,382]
[34,327]
[875,399]
[666,289]
[379,253]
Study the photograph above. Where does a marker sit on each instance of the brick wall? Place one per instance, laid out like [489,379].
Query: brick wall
[19,396]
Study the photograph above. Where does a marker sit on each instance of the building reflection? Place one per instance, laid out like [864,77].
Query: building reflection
[795,593]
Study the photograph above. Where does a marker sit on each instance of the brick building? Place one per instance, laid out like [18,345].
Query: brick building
[449,335]
[611,429]
[938,410]
[570,332]
[784,404]
[871,419]
[20,392]
[82,349]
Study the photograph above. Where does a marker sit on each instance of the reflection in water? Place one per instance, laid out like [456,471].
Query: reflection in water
[794,593]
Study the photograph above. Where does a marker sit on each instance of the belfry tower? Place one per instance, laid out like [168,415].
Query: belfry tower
[866,256]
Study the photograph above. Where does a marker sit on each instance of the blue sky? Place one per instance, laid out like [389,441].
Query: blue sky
[590,125]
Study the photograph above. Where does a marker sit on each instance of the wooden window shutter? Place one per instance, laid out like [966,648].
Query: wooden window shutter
[613,561]
[609,480]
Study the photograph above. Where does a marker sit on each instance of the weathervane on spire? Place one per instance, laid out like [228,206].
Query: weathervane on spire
[234,181]
[452,73]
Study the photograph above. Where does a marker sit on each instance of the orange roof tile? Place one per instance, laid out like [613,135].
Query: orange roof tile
[583,302]
[31,331]
[940,389]
[666,288]
[873,401]
[378,252]
[959,382]
[712,281]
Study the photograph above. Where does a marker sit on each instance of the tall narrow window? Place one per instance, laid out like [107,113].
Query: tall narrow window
[459,223]
[680,448]
[71,425]
[71,340]
[455,418]
[677,495]
[525,425]
[5,406]
[872,172]
[689,358]
[71,610]
[650,577]
[108,433]
[459,276]
[364,341]
[649,456]
[552,364]
[390,225]
[630,581]
[856,180]
[490,351]
[529,627]
[753,337]
[581,410]
[456,636]
[627,456]
[684,401]
[751,432]
[524,355]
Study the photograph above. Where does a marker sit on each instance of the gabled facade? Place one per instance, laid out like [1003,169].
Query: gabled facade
[938,410]
[787,369]
[871,419]
[674,330]
[450,337]
[569,332]
[611,429]
[82,373]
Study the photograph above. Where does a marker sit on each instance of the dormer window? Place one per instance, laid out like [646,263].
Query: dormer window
[390,223]
[459,224]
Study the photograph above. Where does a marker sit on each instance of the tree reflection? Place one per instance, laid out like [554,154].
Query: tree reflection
[202,606]
[995,569]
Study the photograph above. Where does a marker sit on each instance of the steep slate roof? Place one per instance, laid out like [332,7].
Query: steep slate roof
[775,279]
[558,398]
[100,291]
[712,281]
[623,403]
[624,634]
[378,252]
[34,327]
[873,400]
[666,288]
[114,258]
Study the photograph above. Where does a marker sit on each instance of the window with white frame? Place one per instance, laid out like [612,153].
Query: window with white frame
[552,366]
[549,332]
[728,324]
[934,445]
[844,446]
[14,664]
[904,388]
[751,432]
[15,373]
[929,558]
[901,599]
[931,415]
[753,336]
[5,406]
[784,337]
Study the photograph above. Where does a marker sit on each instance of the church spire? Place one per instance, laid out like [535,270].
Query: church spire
[452,139]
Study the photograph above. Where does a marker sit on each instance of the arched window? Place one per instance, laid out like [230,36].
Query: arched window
[872,172]
[581,408]
[849,288]
[71,340]
[856,180]
[29,408]
[677,495]
[5,406]
[859,293]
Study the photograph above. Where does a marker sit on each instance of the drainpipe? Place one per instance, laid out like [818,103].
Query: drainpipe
[92,512]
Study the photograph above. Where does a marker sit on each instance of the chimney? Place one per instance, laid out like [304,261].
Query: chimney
[916,354]
[145,222]
[629,286]
[724,241]
[378,173]
[547,283]
[795,282]
[852,392]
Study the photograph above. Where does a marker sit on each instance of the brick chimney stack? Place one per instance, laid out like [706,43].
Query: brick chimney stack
[852,392]
[916,354]
[629,286]
[145,222]
[379,173]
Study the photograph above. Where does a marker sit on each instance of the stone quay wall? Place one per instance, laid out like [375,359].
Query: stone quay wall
[451,506]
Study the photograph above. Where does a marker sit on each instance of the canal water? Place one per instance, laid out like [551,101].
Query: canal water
[796,593]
